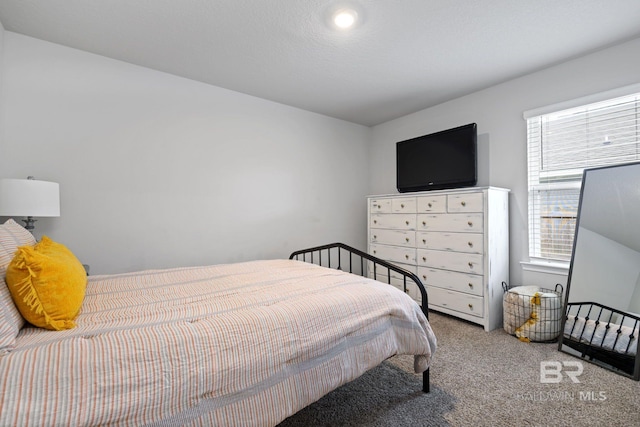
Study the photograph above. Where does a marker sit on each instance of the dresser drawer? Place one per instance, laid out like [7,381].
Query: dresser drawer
[393,237]
[458,242]
[452,280]
[393,253]
[380,205]
[382,273]
[432,204]
[403,205]
[466,202]
[394,221]
[398,283]
[465,303]
[456,261]
[461,223]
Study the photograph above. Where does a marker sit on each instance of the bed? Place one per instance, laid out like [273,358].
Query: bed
[245,344]
[603,333]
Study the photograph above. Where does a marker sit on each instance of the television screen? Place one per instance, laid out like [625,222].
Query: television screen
[446,159]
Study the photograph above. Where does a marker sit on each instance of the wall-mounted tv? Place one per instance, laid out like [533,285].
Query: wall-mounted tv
[446,159]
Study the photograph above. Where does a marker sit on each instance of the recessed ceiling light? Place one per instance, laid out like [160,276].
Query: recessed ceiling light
[345,18]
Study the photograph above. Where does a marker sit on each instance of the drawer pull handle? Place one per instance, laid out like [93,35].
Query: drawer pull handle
[424,241]
[406,222]
[470,265]
[470,244]
[375,221]
[406,256]
[463,203]
[424,258]
[375,237]
[374,251]
[424,276]
[470,224]
[470,306]
[406,239]
[429,204]
[470,285]
[402,205]
[424,223]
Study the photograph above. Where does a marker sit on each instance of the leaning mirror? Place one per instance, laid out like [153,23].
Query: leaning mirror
[602,303]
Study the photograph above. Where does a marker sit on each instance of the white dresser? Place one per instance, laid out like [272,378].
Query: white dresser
[456,241]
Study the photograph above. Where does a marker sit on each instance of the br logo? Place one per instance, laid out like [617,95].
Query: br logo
[553,372]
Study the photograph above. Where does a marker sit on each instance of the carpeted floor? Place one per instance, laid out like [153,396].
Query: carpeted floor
[478,379]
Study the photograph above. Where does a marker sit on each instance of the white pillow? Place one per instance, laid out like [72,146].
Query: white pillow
[12,235]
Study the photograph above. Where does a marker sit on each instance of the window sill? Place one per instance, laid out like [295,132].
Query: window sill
[547,267]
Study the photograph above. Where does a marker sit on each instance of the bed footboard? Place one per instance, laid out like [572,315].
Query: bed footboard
[603,333]
[346,258]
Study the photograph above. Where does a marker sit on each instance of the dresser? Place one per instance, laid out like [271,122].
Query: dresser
[456,241]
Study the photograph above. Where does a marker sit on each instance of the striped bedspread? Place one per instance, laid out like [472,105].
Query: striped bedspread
[245,344]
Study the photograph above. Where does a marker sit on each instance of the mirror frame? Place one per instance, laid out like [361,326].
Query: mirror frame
[592,357]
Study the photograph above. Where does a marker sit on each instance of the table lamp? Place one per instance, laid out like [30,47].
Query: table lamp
[29,198]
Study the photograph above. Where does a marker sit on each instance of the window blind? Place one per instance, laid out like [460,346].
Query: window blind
[561,145]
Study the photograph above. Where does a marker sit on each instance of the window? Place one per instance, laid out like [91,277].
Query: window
[561,144]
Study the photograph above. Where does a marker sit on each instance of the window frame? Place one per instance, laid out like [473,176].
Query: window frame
[573,185]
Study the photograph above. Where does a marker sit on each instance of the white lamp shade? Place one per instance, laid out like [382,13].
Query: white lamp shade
[29,197]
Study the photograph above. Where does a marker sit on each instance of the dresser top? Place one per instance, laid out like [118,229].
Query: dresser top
[435,192]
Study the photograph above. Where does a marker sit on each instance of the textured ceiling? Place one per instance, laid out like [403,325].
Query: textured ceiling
[404,56]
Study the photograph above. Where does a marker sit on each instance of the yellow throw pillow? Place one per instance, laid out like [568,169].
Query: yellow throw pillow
[47,283]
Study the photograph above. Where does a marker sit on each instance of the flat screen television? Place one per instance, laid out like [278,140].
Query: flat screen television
[441,160]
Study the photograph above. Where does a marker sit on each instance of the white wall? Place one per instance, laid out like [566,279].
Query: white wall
[502,146]
[1,92]
[159,171]
[604,271]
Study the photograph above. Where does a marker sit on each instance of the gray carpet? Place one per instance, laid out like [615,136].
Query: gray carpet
[477,379]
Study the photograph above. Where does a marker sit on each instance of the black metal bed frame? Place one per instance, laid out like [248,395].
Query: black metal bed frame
[361,268]
[627,363]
